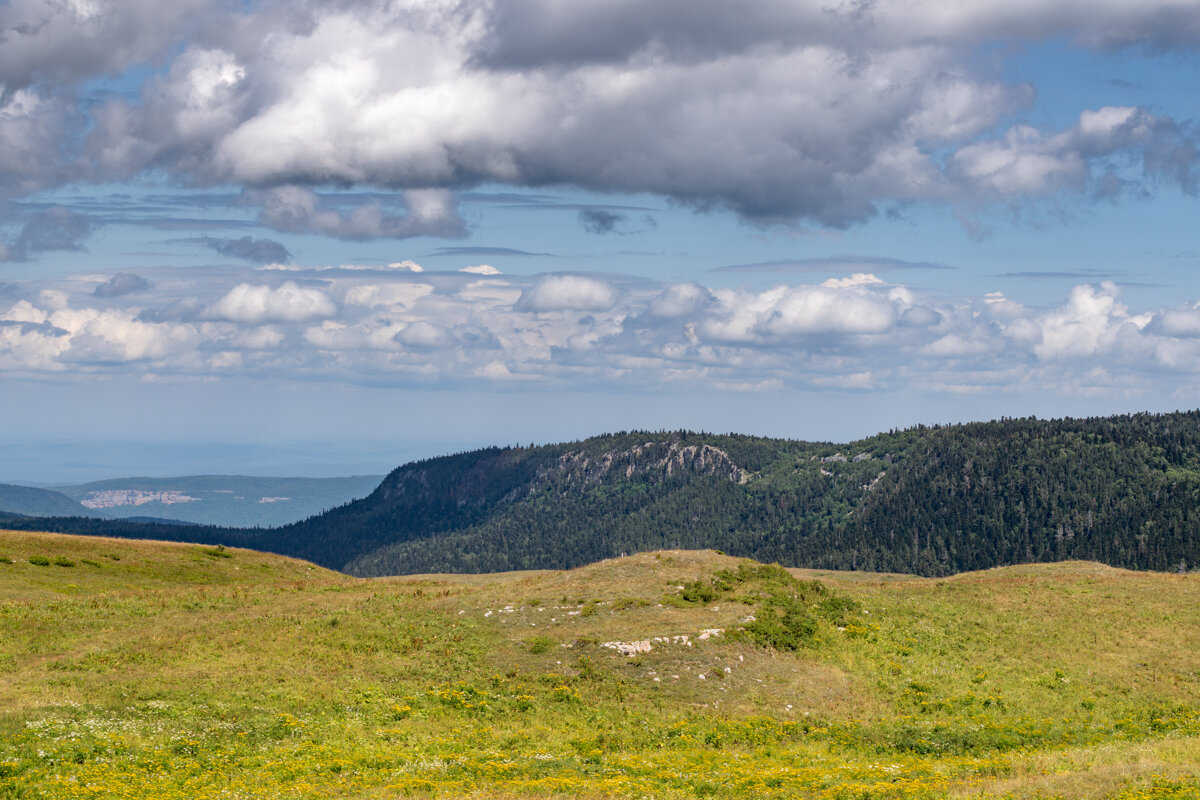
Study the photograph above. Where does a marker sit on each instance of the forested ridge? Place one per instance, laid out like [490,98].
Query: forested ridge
[936,500]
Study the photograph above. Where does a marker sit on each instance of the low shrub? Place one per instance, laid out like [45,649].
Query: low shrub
[539,644]
[697,592]
[782,623]
[788,611]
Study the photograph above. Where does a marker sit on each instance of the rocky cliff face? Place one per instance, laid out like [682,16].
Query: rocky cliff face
[113,498]
[506,476]
[667,458]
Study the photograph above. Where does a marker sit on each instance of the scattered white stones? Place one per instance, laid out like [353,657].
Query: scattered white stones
[629,649]
[646,645]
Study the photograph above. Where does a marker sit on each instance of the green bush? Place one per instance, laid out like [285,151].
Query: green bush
[5,560]
[697,592]
[783,623]
[63,561]
[838,609]
[788,611]
[41,561]
[539,644]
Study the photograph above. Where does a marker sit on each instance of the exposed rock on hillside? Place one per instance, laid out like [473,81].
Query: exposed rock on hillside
[668,458]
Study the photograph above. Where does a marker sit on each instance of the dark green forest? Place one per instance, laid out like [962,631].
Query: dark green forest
[934,500]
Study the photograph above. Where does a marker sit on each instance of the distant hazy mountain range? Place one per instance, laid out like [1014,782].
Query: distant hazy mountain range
[38,502]
[930,500]
[226,500]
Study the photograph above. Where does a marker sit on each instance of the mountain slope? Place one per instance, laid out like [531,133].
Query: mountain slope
[559,505]
[37,502]
[1124,490]
[929,500]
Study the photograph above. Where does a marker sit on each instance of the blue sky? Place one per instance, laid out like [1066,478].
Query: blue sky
[280,239]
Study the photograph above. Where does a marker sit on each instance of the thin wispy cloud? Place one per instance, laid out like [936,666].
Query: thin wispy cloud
[56,228]
[247,248]
[808,266]
[121,284]
[1071,275]
[455,252]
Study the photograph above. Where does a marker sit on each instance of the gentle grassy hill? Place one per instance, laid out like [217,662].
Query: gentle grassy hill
[147,669]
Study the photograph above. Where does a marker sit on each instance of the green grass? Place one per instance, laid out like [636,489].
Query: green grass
[168,670]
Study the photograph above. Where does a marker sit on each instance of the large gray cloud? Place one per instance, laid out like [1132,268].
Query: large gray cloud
[522,34]
[783,112]
[54,42]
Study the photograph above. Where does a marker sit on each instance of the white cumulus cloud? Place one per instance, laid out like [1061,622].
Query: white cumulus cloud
[259,304]
[569,293]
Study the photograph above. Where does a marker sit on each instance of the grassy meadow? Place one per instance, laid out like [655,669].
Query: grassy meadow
[144,669]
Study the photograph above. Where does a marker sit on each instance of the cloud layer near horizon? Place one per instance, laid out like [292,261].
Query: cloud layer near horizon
[783,112]
[400,327]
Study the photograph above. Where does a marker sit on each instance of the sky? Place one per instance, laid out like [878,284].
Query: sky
[327,237]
